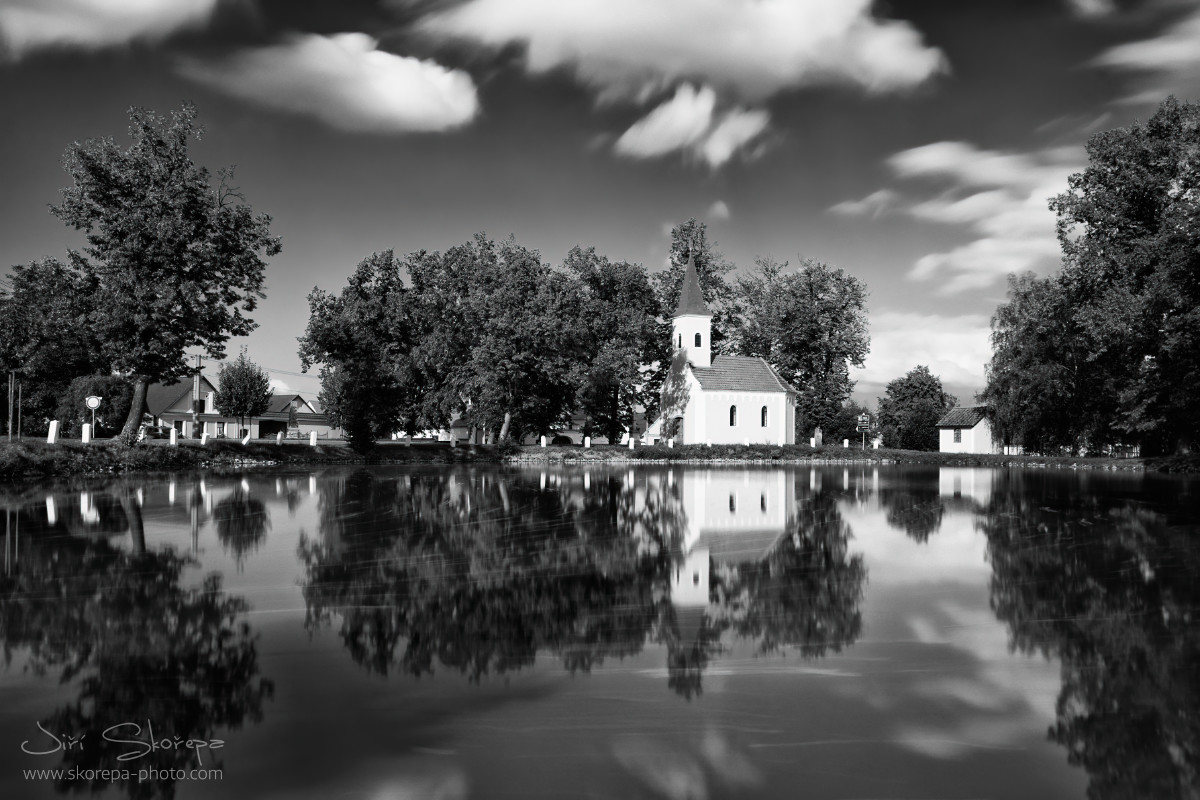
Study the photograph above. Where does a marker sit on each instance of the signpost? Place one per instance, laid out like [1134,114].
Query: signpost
[93,402]
[864,425]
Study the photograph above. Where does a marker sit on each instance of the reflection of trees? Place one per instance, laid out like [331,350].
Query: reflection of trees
[242,522]
[806,592]
[916,506]
[141,646]
[480,572]
[1108,584]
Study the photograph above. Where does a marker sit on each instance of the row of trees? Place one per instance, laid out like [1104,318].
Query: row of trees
[488,332]
[174,263]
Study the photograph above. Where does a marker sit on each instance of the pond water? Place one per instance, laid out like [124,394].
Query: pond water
[642,632]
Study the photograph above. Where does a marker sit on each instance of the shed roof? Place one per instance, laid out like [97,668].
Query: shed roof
[741,374]
[691,298]
[963,417]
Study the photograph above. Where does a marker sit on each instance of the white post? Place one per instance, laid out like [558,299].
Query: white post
[52,436]
[279,438]
[203,438]
[812,441]
[312,438]
[587,443]
[670,443]
[845,443]
[87,432]
[875,445]
[246,439]
[632,443]
[543,441]
[174,436]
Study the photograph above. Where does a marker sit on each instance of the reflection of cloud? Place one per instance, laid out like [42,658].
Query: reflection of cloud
[27,25]
[999,199]
[629,48]
[1165,64]
[346,82]
[666,770]
[689,122]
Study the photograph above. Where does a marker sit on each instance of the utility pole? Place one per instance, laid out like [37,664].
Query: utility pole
[12,376]
[196,400]
[18,410]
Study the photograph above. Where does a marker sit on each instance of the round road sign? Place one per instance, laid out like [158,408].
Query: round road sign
[93,402]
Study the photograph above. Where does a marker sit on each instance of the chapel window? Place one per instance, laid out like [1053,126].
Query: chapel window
[697,340]
[733,416]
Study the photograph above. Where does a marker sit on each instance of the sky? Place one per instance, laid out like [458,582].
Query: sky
[912,143]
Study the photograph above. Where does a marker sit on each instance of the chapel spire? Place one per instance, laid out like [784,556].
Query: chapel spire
[691,298]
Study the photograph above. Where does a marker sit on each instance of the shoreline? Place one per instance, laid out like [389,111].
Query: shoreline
[30,460]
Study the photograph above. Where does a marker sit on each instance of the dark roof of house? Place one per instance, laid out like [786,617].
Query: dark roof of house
[161,396]
[280,402]
[741,374]
[691,298]
[963,417]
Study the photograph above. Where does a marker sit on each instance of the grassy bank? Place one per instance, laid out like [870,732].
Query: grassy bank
[804,454]
[32,459]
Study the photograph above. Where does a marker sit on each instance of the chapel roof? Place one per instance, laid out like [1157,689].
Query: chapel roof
[741,374]
[963,417]
[691,298]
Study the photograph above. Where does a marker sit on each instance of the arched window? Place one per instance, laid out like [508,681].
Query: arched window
[697,340]
[732,416]
[732,503]
[764,416]
[762,502]
[680,345]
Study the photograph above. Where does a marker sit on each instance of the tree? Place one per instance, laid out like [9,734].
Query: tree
[910,409]
[45,336]
[364,339]
[175,261]
[811,326]
[243,389]
[1125,308]
[691,238]
[845,424]
[115,395]
[622,341]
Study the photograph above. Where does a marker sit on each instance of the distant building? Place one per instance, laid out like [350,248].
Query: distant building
[721,400]
[170,405]
[967,429]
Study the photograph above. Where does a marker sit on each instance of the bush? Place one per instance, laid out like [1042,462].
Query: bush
[116,394]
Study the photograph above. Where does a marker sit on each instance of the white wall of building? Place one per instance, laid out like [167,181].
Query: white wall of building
[683,336]
[708,415]
[973,440]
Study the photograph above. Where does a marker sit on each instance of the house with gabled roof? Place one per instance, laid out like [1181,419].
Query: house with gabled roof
[722,399]
[966,429]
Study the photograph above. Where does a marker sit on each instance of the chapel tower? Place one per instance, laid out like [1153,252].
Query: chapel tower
[691,324]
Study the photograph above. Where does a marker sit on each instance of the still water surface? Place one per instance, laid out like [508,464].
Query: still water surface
[604,633]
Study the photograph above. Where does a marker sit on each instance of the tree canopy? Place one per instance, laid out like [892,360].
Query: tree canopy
[1108,350]
[243,389]
[173,261]
[910,409]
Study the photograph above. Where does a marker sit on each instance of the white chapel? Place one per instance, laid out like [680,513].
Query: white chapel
[721,399]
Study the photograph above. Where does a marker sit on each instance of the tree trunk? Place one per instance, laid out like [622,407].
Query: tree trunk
[507,424]
[137,529]
[129,433]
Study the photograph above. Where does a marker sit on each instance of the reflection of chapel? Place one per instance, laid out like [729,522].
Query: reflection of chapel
[721,399]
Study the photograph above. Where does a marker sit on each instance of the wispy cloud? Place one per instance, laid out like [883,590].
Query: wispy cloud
[345,81]
[955,348]
[28,25]
[689,122]
[718,210]
[1168,63]
[998,199]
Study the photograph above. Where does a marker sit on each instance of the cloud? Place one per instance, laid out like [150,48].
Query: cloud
[1092,8]
[754,48]
[27,25]
[280,386]
[345,81]
[998,199]
[1168,63]
[873,205]
[689,122]
[718,210]
[955,348]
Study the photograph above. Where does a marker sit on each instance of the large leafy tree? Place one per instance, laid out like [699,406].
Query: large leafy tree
[624,344]
[115,394]
[1125,308]
[45,336]
[810,324]
[910,409]
[363,339]
[501,334]
[243,389]
[176,262]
